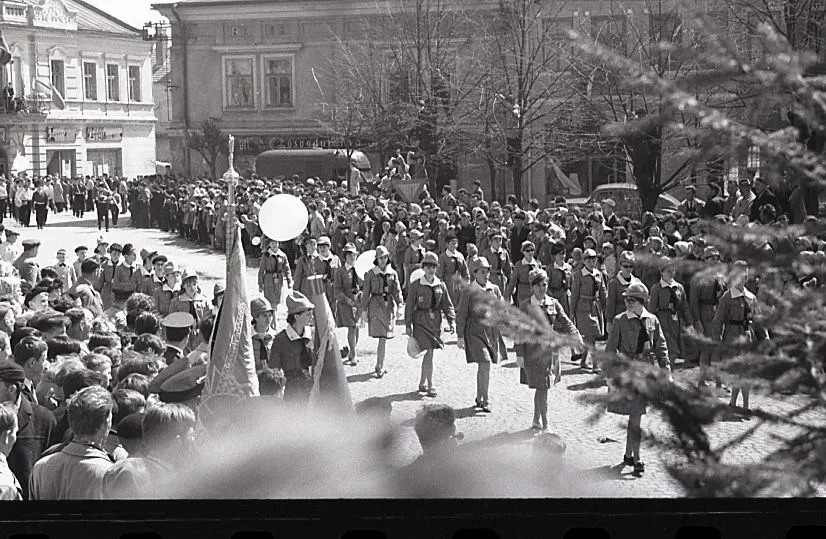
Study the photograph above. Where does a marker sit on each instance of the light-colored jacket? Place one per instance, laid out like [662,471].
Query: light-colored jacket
[75,473]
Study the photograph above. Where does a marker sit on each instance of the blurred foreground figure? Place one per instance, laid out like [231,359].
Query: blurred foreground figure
[273,449]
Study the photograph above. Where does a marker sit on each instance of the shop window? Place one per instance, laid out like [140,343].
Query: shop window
[135,83]
[58,76]
[112,83]
[239,83]
[90,81]
[278,81]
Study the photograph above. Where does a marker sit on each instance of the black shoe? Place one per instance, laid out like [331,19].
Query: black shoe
[486,407]
[628,461]
[639,467]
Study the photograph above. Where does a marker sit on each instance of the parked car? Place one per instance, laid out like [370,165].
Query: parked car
[628,199]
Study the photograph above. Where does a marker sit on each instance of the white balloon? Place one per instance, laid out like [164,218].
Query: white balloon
[364,263]
[283,217]
[417,273]
[256,240]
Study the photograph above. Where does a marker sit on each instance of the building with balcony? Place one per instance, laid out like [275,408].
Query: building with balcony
[82,100]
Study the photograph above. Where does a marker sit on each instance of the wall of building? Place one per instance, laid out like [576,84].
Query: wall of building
[127,123]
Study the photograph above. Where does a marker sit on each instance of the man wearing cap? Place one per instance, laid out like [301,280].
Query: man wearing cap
[273,272]
[26,265]
[35,424]
[177,329]
[10,250]
[743,204]
[80,254]
[519,235]
[103,198]
[170,288]
[65,271]
[347,287]
[499,260]
[636,333]
[155,280]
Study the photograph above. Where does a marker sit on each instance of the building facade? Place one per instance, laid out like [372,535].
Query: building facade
[256,68]
[104,121]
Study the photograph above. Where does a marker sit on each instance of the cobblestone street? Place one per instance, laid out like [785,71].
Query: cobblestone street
[595,442]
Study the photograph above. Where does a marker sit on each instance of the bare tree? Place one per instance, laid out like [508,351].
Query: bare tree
[210,143]
[657,40]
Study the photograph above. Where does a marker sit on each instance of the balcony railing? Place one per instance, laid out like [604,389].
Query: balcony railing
[32,104]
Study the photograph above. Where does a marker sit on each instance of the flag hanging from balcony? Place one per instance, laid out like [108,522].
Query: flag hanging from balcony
[52,93]
[5,51]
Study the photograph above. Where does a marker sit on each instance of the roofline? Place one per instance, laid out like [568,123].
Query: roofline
[108,16]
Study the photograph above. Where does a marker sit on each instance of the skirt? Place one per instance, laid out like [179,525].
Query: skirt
[426,338]
[346,315]
[538,372]
[622,404]
[381,318]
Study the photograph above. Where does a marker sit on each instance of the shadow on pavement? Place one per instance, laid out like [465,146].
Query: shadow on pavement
[590,384]
[502,438]
[82,221]
[611,473]
[360,377]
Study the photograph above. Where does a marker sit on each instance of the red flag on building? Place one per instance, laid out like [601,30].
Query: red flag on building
[330,388]
[231,369]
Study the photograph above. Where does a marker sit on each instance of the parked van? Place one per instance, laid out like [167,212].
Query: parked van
[326,164]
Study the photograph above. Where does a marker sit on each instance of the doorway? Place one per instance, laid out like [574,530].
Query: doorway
[61,163]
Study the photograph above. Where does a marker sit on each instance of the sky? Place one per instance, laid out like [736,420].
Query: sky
[134,12]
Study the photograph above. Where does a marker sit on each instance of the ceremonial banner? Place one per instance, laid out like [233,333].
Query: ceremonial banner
[5,51]
[408,189]
[231,368]
[330,387]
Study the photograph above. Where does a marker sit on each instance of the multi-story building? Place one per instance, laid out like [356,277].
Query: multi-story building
[103,122]
[255,67]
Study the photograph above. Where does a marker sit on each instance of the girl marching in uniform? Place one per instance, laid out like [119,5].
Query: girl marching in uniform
[703,299]
[292,349]
[452,268]
[670,305]
[191,300]
[413,255]
[734,319]
[274,272]
[480,342]
[520,287]
[559,277]
[499,260]
[305,266]
[262,324]
[588,297]
[172,285]
[636,333]
[427,300]
[326,264]
[537,361]
[381,296]
[347,286]
[615,302]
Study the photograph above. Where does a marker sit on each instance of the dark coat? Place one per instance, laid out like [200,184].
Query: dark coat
[35,434]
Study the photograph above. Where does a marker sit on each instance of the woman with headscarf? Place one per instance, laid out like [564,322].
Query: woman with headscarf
[381,296]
